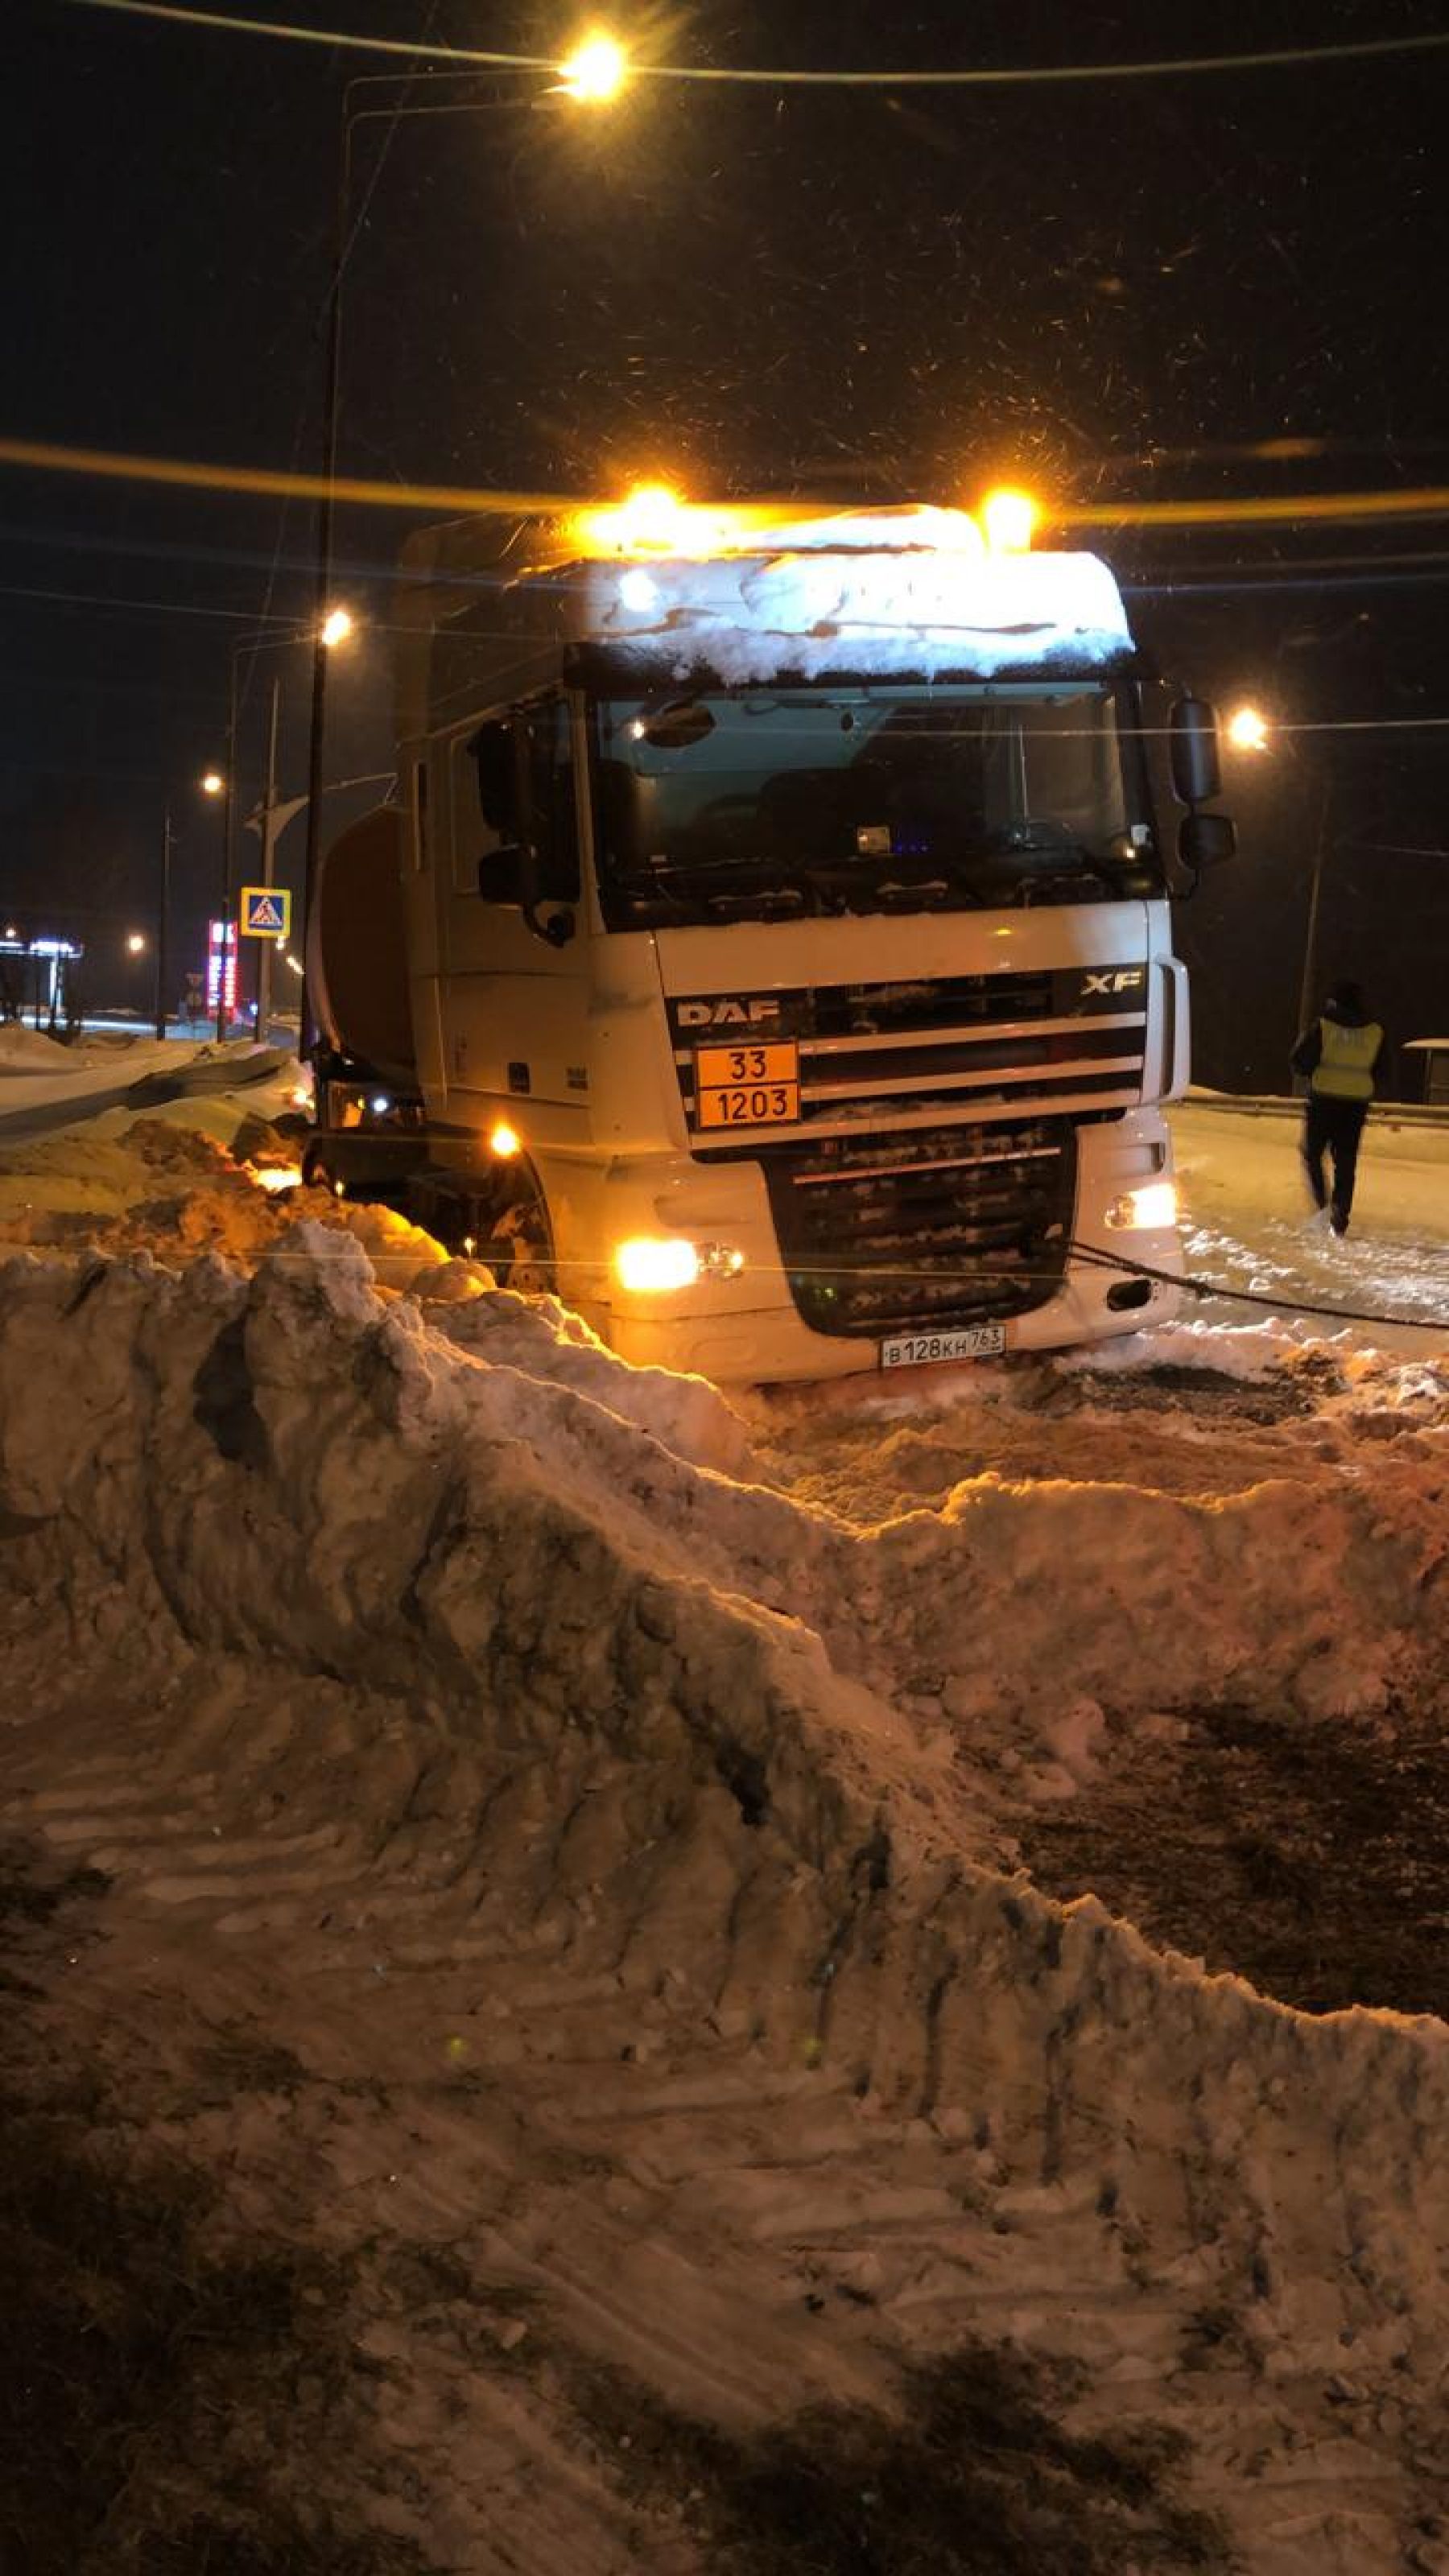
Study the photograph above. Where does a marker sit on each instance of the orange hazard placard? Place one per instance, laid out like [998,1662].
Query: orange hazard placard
[747,1086]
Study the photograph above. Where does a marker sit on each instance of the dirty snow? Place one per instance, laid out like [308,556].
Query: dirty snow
[610,1800]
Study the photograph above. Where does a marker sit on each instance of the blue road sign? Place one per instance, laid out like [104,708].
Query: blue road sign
[266,912]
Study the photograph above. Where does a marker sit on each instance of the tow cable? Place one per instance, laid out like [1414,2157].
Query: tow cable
[1097,1258]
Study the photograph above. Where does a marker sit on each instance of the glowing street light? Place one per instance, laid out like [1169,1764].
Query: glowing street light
[595,72]
[136,943]
[213,784]
[1008,519]
[337,625]
[592,75]
[1248,729]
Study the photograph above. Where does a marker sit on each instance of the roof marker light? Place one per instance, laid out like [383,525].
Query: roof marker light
[1009,518]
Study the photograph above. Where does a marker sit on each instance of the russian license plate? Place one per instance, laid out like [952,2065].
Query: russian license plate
[747,1086]
[968,1342]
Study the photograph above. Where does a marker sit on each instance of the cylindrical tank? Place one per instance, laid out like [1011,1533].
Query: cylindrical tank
[357,975]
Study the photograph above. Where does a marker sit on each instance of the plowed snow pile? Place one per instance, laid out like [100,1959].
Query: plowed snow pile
[562,1858]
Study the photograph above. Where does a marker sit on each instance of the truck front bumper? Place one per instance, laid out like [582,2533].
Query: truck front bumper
[742,1326]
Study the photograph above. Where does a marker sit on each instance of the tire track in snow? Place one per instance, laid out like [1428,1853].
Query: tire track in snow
[535,1722]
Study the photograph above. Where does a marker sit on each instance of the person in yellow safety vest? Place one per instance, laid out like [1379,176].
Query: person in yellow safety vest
[1340,1052]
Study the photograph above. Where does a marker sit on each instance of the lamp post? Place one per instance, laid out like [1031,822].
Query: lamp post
[1310,936]
[333,630]
[163,923]
[592,76]
[214,784]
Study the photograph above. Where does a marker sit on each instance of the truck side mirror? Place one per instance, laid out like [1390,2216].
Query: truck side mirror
[1196,775]
[1205,840]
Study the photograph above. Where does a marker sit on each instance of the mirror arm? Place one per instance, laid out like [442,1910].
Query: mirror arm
[556,931]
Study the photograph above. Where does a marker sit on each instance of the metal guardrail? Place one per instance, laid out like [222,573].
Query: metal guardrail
[1383,1114]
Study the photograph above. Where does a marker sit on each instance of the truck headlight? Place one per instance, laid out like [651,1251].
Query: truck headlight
[653,1264]
[1146,1211]
[650,1265]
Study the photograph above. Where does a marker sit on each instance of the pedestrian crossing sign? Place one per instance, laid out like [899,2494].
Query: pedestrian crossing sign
[266,912]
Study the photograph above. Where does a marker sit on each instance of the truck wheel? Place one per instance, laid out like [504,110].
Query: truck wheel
[519,1252]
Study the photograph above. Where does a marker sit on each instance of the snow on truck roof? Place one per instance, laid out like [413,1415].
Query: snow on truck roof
[870,591]
[756,596]
[749,617]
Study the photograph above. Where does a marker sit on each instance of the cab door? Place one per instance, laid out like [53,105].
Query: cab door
[515,940]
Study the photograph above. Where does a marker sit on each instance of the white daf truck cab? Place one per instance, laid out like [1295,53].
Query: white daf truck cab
[771,950]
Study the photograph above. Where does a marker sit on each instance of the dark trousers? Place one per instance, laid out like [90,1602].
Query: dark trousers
[1333,1127]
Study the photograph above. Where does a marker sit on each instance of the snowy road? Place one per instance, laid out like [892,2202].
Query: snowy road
[1248,1222]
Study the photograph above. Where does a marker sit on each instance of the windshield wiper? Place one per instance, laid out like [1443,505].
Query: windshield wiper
[696,881]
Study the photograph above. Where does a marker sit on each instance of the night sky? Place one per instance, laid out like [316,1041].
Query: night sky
[1119,292]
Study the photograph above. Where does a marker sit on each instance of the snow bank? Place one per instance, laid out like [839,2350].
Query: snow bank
[27,1050]
[430,1589]
[926,612]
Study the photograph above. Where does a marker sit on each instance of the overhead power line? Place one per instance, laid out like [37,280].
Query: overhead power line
[974,76]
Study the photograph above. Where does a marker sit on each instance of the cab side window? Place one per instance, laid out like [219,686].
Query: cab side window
[472,837]
[514,786]
[555,809]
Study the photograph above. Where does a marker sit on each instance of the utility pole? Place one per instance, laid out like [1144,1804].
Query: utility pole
[163,922]
[228,872]
[1310,943]
[269,847]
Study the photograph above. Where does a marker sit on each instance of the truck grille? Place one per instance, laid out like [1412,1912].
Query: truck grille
[924,1228]
[986,1047]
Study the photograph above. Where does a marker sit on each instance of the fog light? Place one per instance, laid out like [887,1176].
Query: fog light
[650,1265]
[1146,1211]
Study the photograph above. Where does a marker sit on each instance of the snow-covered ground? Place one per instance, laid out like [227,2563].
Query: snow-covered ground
[1248,1221]
[45,1085]
[728,1923]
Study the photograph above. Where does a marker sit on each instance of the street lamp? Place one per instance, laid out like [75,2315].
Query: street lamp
[332,630]
[213,783]
[595,72]
[592,76]
[1248,729]
[136,943]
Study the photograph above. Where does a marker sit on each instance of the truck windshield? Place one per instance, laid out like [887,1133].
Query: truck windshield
[756,804]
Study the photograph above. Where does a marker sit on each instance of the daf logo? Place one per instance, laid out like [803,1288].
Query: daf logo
[727,1014]
[1122,979]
